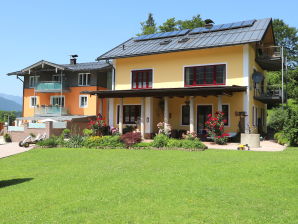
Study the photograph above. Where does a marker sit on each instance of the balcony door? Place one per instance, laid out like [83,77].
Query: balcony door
[57,101]
[202,117]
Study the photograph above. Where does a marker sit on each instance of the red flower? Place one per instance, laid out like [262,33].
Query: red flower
[209,115]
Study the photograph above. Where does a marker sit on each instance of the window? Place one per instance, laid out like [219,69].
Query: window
[141,79]
[57,101]
[185,115]
[205,75]
[33,101]
[56,78]
[226,111]
[84,79]
[131,114]
[83,101]
[33,80]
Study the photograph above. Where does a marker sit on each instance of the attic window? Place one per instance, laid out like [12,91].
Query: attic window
[183,40]
[165,42]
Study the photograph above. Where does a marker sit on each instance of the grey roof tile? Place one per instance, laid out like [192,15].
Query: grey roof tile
[242,35]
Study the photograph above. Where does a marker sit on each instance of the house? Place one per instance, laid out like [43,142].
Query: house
[180,77]
[53,91]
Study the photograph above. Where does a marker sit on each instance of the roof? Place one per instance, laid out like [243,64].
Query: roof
[184,91]
[218,38]
[68,67]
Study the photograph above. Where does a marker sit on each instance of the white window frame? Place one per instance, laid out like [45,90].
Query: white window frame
[31,98]
[52,97]
[80,101]
[35,79]
[88,75]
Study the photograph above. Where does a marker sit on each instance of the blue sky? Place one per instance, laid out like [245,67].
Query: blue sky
[32,30]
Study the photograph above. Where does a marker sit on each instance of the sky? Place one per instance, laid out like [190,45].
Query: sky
[51,30]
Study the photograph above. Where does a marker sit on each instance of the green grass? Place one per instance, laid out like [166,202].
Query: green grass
[149,186]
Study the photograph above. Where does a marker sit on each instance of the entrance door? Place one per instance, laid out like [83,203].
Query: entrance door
[202,116]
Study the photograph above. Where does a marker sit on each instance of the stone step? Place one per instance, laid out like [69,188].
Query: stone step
[2,141]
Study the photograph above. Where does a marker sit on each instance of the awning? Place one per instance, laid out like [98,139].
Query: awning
[179,92]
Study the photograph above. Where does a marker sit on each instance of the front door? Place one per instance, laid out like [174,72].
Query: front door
[202,115]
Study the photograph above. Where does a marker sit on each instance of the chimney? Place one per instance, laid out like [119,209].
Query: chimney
[73,59]
[208,23]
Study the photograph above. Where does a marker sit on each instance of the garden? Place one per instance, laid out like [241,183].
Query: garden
[98,135]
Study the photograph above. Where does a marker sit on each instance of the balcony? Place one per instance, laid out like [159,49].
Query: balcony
[50,110]
[269,58]
[272,95]
[51,87]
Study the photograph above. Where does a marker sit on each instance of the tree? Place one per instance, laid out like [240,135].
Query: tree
[195,22]
[8,115]
[287,37]
[149,26]
[168,25]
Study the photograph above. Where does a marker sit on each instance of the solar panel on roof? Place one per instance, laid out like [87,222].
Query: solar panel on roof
[223,27]
[162,35]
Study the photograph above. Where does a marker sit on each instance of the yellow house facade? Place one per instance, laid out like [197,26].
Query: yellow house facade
[181,78]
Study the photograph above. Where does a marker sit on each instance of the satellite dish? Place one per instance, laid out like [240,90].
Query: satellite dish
[257,77]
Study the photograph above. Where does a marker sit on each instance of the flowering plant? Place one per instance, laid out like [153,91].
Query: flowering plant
[215,128]
[190,135]
[164,129]
[115,131]
[98,125]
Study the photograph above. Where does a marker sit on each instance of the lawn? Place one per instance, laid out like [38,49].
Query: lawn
[149,186]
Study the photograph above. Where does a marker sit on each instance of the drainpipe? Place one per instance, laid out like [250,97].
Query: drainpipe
[113,74]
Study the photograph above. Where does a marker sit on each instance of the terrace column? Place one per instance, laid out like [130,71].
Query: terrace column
[219,103]
[191,114]
[166,111]
[121,116]
[111,112]
[143,117]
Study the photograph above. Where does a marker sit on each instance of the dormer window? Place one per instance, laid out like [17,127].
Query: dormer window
[142,79]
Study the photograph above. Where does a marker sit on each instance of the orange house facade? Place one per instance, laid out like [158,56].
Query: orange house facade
[54,90]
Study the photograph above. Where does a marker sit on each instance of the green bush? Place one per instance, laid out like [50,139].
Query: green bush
[88,132]
[7,138]
[103,142]
[281,138]
[75,141]
[49,142]
[174,143]
[290,128]
[66,133]
[142,145]
[276,119]
[192,144]
[160,140]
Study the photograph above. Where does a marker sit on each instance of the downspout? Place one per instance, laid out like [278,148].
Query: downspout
[23,94]
[113,74]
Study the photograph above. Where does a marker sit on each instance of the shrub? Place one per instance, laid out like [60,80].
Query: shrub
[215,128]
[128,128]
[88,132]
[98,125]
[160,140]
[7,138]
[189,135]
[142,145]
[75,141]
[192,144]
[164,129]
[66,133]
[174,143]
[131,138]
[92,142]
[281,138]
[103,142]
[290,128]
[276,119]
[49,142]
